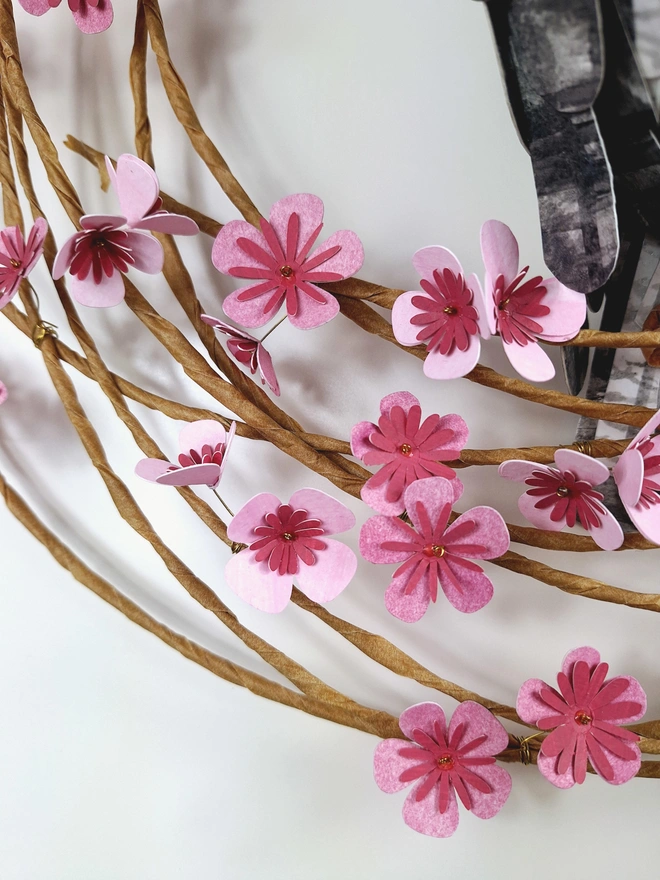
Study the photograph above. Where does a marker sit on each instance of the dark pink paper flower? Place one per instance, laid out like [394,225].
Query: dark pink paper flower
[430,551]
[18,257]
[91,16]
[408,450]
[585,716]
[247,350]
[286,541]
[637,476]
[564,495]
[445,763]
[281,260]
[204,448]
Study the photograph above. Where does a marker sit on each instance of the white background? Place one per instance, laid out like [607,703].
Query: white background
[120,760]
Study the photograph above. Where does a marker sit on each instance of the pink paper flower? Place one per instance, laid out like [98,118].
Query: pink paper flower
[637,476]
[524,311]
[280,259]
[585,715]
[407,450]
[204,448]
[564,495]
[430,551]
[445,763]
[18,257]
[91,16]
[448,317]
[286,541]
[247,350]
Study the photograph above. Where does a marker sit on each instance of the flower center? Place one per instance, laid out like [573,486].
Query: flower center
[288,536]
[405,449]
[446,762]
[15,264]
[583,717]
[563,491]
[450,310]
[434,550]
[286,271]
[504,303]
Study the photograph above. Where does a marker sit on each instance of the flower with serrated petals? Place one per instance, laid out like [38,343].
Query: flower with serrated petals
[18,257]
[204,448]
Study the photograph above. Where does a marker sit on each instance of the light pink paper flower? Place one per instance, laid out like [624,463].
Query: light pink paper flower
[448,317]
[585,715]
[18,257]
[524,311]
[564,495]
[281,260]
[445,763]
[91,16]
[204,448]
[4,394]
[637,476]
[247,350]
[430,551]
[286,541]
[408,449]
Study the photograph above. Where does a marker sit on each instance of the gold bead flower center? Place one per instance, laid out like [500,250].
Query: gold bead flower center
[434,550]
[289,536]
[582,717]
[563,491]
[405,449]
[286,271]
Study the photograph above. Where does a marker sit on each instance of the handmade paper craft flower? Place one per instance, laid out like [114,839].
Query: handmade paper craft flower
[524,311]
[430,551]
[585,716]
[408,449]
[281,260]
[18,257]
[564,495]
[91,16]
[448,317]
[204,448]
[445,763]
[247,350]
[286,541]
[637,476]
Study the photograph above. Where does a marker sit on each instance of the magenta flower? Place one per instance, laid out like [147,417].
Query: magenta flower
[247,350]
[445,763]
[408,449]
[585,716]
[280,259]
[430,551]
[18,257]
[204,448]
[524,311]
[637,476]
[286,541]
[564,495]
[448,317]
[91,16]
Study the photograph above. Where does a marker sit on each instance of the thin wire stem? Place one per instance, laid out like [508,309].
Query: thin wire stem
[274,327]
[218,496]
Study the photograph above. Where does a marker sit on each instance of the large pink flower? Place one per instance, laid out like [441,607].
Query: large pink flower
[564,495]
[204,448]
[247,350]
[286,541]
[18,257]
[585,715]
[91,16]
[430,551]
[637,476]
[445,763]
[408,450]
[281,260]
[524,311]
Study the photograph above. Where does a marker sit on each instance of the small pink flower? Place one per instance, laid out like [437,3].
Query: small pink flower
[524,311]
[637,476]
[430,551]
[204,448]
[247,350]
[281,260]
[91,16]
[408,449]
[564,495]
[585,716]
[19,257]
[445,763]
[286,541]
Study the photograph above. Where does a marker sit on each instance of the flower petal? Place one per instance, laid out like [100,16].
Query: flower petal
[309,209]
[584,467]
[405,332]
[195,475]
[479,722]
[152,468]
[589,655]
[609,534]
[622,769]
[422,716]
[389,765]
[634,693]
[267,370]
[538,517]
[147,252]
[434,493]
[313,314]
[530,361]
[454,365]
[375,532]
[568,309]
[647,521]
[408,607]
[485,806]
[331,573]
[64,257]
[499,251]
[490,532]
[424,816]
[335,517]
[548,767]
[529,704]
[435,258]
[348,260]
[35,7]
[404,399]
[628,475]
[227,254]
[249,312]
[94,19]
[136,186]
[476,588]
[360,434]
[519,471]
[251,515]
[256,584]
[205,432]
[110,292]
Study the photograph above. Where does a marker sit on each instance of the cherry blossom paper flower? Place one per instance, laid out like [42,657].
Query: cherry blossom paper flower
[204,448]
[408,449]
[585,715]
[445,763]
[564,495]
[637,476]
[524,311]
[247,350]
[431,551]
[448,316]
[18,257]
[286,541]
[280,259]
[91,16]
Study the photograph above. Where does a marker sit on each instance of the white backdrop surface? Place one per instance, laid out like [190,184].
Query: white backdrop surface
[120,760]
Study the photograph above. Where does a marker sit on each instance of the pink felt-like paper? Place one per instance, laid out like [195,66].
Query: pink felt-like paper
[334,515]
[242,526]
[264,362]
[204,432]
[408,607]
[91,18]
[530,360]
[110,292]
[499,251]
[628,475]
[256,584]
[583,466]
